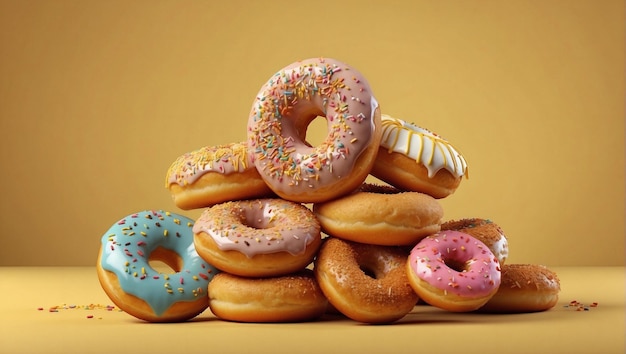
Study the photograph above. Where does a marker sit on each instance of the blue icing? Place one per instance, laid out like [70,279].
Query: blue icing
[126,248]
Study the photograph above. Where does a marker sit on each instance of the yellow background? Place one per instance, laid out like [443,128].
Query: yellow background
[97,98]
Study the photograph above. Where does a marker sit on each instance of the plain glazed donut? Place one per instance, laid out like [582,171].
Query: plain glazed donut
[453,271]
[380,215]
[130,281]
[367,283]
[258,238]
[415,159]
[525,288]
[485,231]
[212,175]
[281,113]
[290,298]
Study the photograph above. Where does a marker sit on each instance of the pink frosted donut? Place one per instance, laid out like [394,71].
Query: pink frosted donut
[212,175]
[453,271]
[281,113]
[258,238]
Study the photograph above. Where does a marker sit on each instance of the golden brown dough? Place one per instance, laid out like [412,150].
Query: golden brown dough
[380,215]
[525,288]
[367,283]
[290,298]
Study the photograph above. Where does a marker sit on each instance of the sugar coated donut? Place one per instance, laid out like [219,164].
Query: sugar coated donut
[367,283]
[130,281]
[380,215]
[258,238]
[486,231]
[416,159]
[290,298]
[453,271]
[214,174]
[281,113]
[525,288]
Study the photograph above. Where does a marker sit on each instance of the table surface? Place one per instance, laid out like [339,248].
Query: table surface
[63,309]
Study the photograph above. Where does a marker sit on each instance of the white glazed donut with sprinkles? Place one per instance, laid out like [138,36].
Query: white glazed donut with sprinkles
[281,113]
[130,281]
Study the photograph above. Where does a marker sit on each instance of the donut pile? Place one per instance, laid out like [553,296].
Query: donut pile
[291,231]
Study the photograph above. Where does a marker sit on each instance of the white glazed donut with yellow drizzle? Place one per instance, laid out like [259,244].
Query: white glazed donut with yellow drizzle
[415,159]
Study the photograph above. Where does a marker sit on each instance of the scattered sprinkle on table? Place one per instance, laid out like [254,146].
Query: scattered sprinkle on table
[579,306]
[58,308]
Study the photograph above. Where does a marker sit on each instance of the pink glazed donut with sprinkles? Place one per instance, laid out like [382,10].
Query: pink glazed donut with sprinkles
[281,113]
[453,271]
[258,238]
[213,175]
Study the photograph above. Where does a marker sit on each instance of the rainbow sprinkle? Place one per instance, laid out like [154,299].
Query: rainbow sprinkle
[281,96]
[579,306]
[88,307]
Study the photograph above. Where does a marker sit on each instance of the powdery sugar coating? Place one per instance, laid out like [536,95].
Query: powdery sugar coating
[284,107]
[224,159]
[423,146]
[259,226]
[480,273]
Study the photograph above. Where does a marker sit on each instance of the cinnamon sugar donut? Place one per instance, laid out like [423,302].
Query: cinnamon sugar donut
[367,283]
[415,159]
[486,231]
[212,175]
[380,215]
[281,113]
[525,288]
[257,238]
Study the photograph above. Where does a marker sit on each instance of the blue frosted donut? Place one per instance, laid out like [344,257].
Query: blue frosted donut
[130,281]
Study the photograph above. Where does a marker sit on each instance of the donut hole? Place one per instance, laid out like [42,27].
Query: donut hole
[165,261]
[253,222]
[370,265]
[368,271]
[456,265]
[316,131]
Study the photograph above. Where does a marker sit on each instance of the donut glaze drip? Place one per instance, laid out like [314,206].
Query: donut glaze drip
[224,159]
[285,106]
[423,146]
[126,249]
[480,273]
[260,226]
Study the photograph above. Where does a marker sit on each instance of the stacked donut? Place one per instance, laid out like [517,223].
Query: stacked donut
[291,231]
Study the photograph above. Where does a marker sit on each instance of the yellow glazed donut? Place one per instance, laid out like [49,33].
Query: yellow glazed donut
[380,215]
[289,298]
[416,159]
[367,283]
[258,238]
[525,288]
[281,113]
[485,231]
[212,175]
